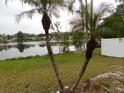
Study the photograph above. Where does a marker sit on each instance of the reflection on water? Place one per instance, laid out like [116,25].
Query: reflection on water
[21,47]
[14,50]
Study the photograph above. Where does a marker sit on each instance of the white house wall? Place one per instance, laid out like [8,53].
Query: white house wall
[112,47]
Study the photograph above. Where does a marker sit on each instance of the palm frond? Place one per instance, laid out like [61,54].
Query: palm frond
[53,11]
[103,9]
[6,1]
[35,3]
[29,14]
[70,5]
[76,23]
[43,6]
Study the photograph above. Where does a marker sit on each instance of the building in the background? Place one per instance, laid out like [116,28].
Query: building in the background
[113,47]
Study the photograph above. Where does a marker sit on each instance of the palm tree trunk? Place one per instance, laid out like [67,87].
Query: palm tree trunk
[53,60]
[83,69]
[84,66]
[46,25]
[91,45]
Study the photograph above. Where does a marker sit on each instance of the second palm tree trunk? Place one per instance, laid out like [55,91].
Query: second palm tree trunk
[91,45]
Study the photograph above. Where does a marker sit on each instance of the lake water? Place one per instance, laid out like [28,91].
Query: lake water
[14,50]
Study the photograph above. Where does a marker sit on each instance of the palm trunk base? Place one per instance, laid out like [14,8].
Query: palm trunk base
[65,90]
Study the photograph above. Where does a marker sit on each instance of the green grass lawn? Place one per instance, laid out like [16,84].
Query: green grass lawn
[35,74]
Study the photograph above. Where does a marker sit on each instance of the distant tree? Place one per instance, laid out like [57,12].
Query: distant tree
[65,41]
[120,1]
[120,10]
[40,37]
[4,38]
[8,37]
[78,39]
[57,34]
[113,26]
[20,37]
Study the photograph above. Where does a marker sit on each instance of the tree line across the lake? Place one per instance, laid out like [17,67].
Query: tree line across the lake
[111,27]
[20,37]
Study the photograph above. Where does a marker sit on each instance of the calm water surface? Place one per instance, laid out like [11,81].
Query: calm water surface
[14,50]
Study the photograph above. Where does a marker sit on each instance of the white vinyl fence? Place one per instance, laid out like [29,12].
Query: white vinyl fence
[113,47]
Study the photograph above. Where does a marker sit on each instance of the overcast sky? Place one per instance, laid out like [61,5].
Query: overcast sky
[8,24]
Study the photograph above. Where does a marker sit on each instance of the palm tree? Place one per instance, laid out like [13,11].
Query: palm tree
[88,22]
[45,8]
